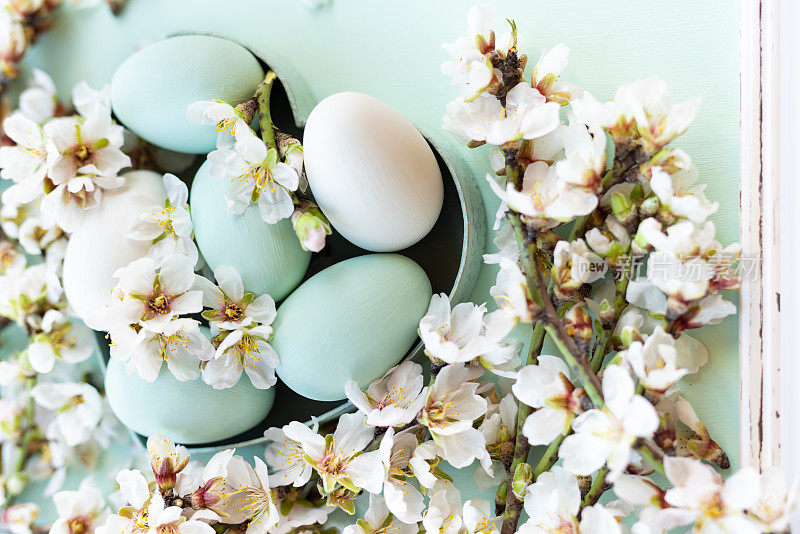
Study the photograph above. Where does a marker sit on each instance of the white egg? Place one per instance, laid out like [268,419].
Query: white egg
[371,171]
[99,247]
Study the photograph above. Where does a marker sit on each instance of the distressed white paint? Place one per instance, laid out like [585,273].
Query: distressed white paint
[760,194]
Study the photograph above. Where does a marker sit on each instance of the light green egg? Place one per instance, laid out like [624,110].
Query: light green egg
[352,321]
[188,412]
[152,88]
[268,256]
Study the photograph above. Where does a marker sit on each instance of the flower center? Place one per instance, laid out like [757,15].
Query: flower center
[714,509]
[158,304]
[78,525]
[263,178]
[165,220]
[234,311]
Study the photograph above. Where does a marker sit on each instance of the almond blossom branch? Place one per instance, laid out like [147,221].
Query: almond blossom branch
[264,114]
[513,505]
[604,337]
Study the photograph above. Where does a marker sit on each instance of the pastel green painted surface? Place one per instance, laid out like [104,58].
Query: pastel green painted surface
[352,321]
[268,256]
[692,44]
[151,89]
[188,412]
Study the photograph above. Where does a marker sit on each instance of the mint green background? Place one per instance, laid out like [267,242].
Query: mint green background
[391,50]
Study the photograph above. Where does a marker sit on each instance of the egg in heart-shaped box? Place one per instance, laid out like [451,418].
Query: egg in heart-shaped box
[407,217]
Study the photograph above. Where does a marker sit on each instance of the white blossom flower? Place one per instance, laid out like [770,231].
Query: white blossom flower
[472,69]
[255,175]
[500,423]
[717,505]
[22,292]
[378,520]
[423,463]
[574,264]
[678,193]
[546,387]
[643,294]
[180,344]
[134,518]
[231,491]
[450,409]
[609,241]
[13,41]
[230,307]
[546,75]
[510,291]
[502,355]
[545,198]
[166,460]
[478,519]
[301,516]
[286,458]
[339,459]
[710,310]
[88,101]
[453,336]
[393,400]
[19,518]
[240,350]
[584,163]
[655,361]
[163,519]
[599,519]
[444,510]
[90,146]
[777,501]
[55,342]
[81,510]
[153,296]
[607,435]
[38,100]
[656,118]
[229,123]
[25,162]
[553,502]
[12,261]
[259,501]
[78,408]
[506,245]
[526,115]
[167,227]
[37,232]
[654,515]
[11,413]
[403,499]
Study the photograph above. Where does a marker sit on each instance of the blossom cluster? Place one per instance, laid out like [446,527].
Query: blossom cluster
[265,170]
[52,413]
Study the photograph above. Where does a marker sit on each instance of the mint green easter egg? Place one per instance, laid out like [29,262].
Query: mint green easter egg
[152,88]
[352,321]
[268,256]
[188,412]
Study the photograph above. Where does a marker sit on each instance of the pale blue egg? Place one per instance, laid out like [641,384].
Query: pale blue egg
[188,412]
[354,320]
[152,88]
[268,256]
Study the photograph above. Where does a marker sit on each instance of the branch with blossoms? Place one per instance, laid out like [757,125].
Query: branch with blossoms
[264,168]
[52,416]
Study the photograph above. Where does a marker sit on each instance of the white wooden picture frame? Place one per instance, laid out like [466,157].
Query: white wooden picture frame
[762,428]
